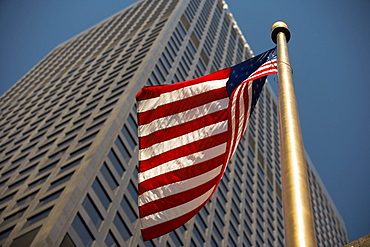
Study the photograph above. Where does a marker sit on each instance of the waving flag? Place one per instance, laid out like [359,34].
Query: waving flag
[188,132]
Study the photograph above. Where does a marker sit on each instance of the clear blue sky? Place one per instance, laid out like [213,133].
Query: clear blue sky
[329,53]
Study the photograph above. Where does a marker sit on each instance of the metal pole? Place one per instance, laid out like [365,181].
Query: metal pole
[298,219]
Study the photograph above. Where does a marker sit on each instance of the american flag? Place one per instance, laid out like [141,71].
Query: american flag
[188,132]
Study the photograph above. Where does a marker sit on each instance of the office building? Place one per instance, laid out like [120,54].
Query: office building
[68,138]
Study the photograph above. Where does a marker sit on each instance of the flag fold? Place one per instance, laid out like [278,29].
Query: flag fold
[188,132]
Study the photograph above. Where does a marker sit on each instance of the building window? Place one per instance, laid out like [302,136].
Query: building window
[201,222]
[198,235]
[133,190]
[76,129]
[129,210]
[38,182]
[109,178]
[92,211]
[132,122]
[4,234]
[28,169]
[50,198]
[13,217]
[48,144]
[220,207]
[70,165]
[110,240]
[176,239]
[38,217]
[95,126]
[101,193]
[80,151]
[48,167]
[129,137]
[60,181]
[18,183]
[82,230]
[116,163]
[219,220]
[27,198]
[122,148]
[231,241]
[122,227]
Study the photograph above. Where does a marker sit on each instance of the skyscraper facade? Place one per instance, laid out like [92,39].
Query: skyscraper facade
[68,138]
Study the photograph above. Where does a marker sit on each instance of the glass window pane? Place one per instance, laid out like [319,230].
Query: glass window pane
[83,232]
[50,198]
[60,181]
[36,218]
[122,227]
[133,190]
[92,211]
[130,212]
[4,234]
[122,149]
[129,137]
[100,192]
[116,163]
[110,240]
[13,217]
[109,178]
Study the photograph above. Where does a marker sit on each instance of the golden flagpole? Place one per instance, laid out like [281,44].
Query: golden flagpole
[298,219]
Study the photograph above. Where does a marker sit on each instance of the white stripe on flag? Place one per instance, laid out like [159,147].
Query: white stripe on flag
[182,117]
[180,94]
[241,110]
[175,212]
[159,148]
[183,162]
[181,186]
